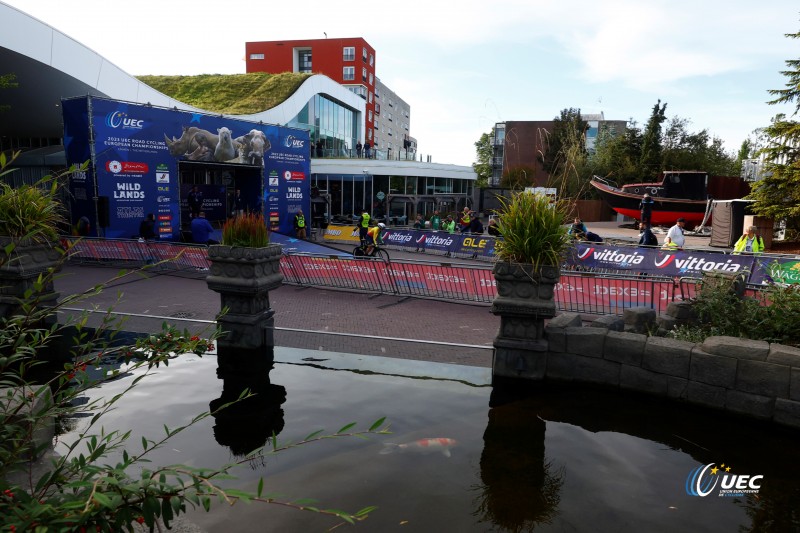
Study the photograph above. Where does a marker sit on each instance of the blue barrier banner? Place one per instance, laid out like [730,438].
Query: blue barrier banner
[437,240]
[404,238]
[682,263]
[474,244]
[441,241]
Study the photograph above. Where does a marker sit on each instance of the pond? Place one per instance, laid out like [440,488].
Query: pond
[545,459]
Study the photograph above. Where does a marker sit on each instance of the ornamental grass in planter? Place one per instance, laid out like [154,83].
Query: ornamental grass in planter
[533,230]
[534,243]
[247,230]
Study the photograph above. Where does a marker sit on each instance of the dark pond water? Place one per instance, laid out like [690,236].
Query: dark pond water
[562,459]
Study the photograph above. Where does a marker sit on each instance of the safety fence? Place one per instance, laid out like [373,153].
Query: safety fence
[584,292]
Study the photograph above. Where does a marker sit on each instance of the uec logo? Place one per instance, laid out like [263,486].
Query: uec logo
[120,119]
[293,142]
[703,480]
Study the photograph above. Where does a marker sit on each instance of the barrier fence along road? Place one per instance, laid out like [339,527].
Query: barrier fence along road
[583,292]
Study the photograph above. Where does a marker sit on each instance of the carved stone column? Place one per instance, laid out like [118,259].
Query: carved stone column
[19,273]
[243,277]
[524,301]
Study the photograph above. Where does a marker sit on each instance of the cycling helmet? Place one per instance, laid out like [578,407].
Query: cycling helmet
[381,225]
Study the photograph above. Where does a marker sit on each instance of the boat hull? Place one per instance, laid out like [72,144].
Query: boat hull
[665,210]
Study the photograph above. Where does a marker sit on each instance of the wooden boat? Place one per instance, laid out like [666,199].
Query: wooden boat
[684,193]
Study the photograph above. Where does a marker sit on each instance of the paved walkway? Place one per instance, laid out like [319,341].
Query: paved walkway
[426,330]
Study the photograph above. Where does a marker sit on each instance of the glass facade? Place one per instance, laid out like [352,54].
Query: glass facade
[333,128]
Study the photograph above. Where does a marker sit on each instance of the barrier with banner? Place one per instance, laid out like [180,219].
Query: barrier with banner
[478,246]
[690,263]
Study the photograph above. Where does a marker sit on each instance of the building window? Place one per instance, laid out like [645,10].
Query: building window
[349,73]
[370,116]
[371,60]
[256,56]
[389,132]
[370,78]
[389,116]
[349,53]
[304,61]
[364,54]
[369,98]
[364,74]
[391,102]
[369,133]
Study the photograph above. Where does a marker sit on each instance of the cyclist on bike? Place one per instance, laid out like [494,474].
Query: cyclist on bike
[374,237]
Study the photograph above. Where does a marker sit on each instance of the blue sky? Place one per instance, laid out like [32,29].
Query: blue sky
[462,67]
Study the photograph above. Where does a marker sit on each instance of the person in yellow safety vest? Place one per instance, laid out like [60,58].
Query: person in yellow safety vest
[749,242]
[374,237]
[300,225]
[363,226]
[465,219]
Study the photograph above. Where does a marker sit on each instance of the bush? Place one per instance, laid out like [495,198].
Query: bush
[771,315]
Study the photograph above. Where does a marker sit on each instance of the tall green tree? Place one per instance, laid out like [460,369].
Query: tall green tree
[616,154]
[483,157]
[777,194]
[567,127]
[686,150]
[650,161]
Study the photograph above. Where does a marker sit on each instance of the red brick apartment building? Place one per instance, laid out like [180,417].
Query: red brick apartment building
[348,61]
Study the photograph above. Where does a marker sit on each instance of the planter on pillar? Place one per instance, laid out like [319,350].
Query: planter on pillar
[19,274]
[535,241]
[524,300]
[243,276]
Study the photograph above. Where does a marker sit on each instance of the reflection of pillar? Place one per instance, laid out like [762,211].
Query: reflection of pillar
[519,489]
[247,424]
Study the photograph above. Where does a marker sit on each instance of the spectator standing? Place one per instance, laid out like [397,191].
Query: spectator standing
[492,228]
[363,226]
[202,230]
[195,201]
[82,227]
[646,236]
[147,228]
[238,204]
[449,225]
[436,221]
[464,220]
[646,209]
[675,238]
[578,229]
[750,242]
[419,223]
[367,150]
[300,225]
[475,224]
[358,149]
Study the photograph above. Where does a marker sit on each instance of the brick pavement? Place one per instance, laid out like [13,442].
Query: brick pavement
[317,319]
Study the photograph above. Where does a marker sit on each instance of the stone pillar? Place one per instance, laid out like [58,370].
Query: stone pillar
[243,277]
[20,271]
[524,301]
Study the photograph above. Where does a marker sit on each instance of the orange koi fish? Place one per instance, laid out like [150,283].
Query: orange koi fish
[423,446]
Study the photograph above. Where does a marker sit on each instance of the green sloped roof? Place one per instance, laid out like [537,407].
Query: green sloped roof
[232,94]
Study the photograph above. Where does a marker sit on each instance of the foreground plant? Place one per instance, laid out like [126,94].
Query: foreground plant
[533,230]
[246,230]
[103,481]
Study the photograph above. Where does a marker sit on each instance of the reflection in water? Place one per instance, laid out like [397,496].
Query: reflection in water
[520,487]
[249,423]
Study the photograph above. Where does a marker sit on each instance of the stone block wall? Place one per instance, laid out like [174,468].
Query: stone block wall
[752,378]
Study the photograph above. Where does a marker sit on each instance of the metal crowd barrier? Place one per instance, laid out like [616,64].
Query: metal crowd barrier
[133,253]
[577,291]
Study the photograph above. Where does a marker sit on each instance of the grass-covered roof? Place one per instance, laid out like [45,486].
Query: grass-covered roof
[232,94]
